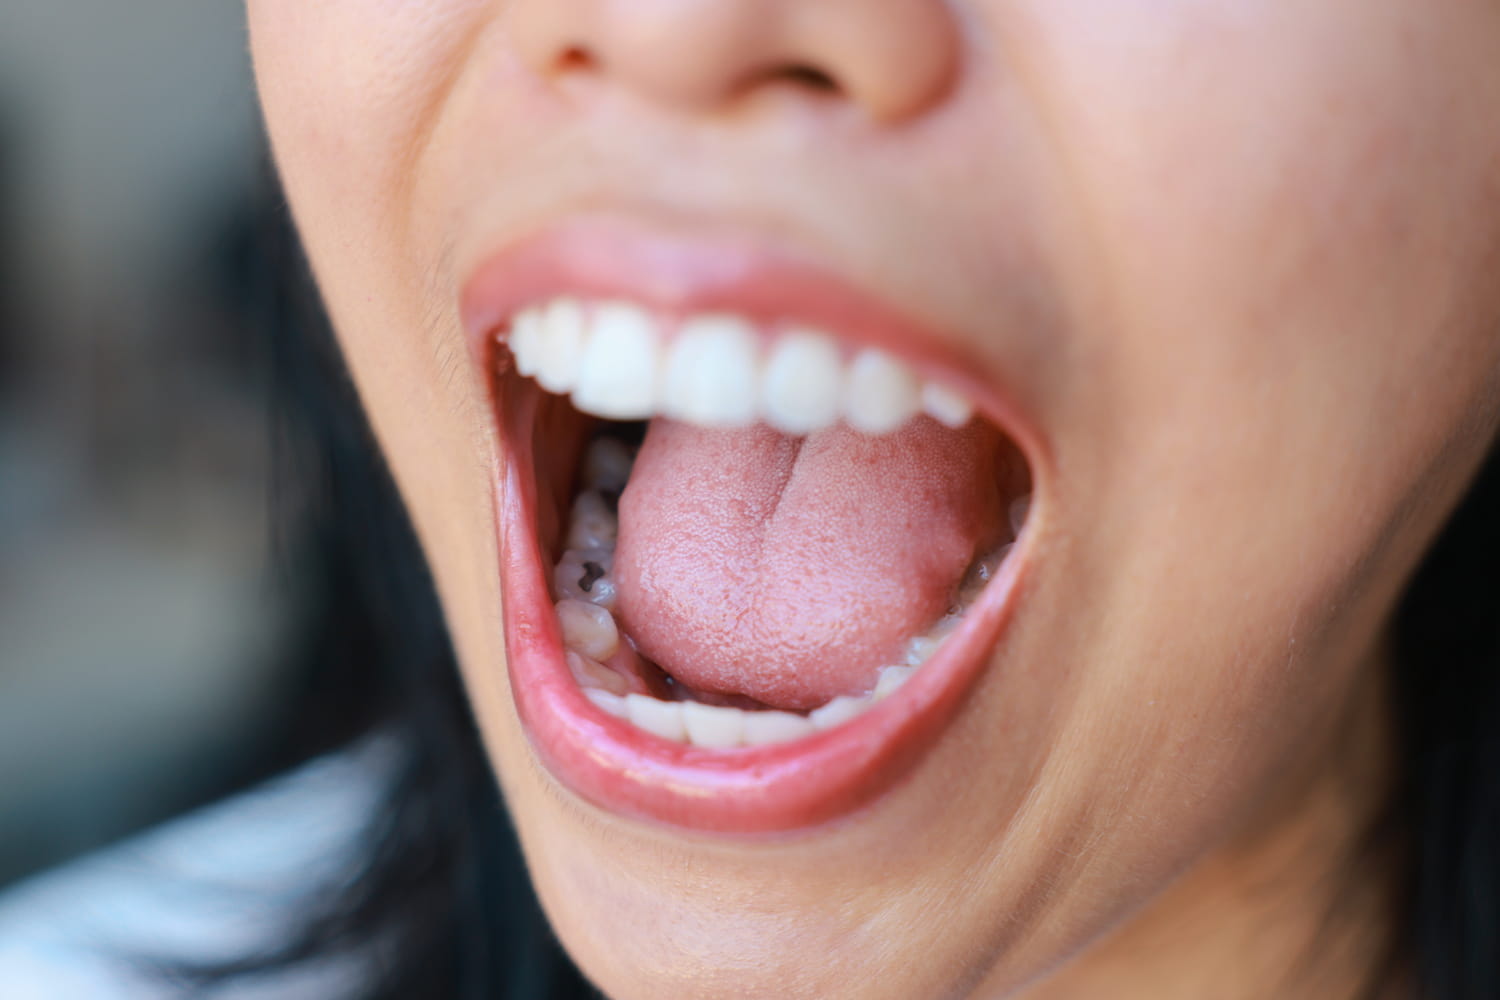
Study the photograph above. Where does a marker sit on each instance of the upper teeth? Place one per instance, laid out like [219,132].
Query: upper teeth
[715,371]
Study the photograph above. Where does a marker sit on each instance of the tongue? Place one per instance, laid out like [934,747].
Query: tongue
[792,569]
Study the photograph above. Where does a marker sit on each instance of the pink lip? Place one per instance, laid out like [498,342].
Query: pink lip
[607,761]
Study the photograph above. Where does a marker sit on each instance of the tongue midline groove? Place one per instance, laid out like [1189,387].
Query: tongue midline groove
[625,684]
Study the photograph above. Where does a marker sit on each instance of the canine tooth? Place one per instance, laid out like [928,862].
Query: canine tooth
[920,649]
[882,393]
[775,727]
[839,710]
[712,373]
[594,525]
[664,718]
[713,726]
[945,626]
[606,465]
[1019,508]
[588,629]
[590,673]
[573,570]
[946,406]
[803,382]
[618,373]
[560,348]
[997,559]
[611,703]
[525,339]
[981,573]
[986,568]
[891,678]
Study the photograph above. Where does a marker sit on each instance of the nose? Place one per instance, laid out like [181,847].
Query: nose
[892,58]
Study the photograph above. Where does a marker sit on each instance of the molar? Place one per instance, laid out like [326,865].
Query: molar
[588,629]
[606,465]
[590,673]
[594,524]
[584,575]
[1020,507]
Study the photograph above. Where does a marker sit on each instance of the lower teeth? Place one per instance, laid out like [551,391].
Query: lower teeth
[586,594]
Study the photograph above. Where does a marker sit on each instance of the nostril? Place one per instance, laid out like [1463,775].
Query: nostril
[806,77]
[797,77]
[575,58]
[889,60]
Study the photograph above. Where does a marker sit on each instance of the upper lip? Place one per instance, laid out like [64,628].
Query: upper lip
[765,789]
[679,270]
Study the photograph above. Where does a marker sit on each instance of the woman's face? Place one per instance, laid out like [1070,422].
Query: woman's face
[1221,271]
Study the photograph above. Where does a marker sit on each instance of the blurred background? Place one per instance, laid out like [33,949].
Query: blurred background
[144,637]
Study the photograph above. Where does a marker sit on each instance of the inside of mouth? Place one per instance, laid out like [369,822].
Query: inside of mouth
[730,587]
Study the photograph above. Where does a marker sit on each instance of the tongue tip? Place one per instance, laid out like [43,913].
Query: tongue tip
[797,682]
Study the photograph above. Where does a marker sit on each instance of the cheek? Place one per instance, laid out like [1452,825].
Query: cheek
[350,91]
[1277,185]
[1285,332]
[1288,308]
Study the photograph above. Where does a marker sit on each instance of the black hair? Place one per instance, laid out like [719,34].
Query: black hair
[1447,804]
[436,903]
[442,907]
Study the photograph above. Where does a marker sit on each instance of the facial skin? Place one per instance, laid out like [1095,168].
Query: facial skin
[1237,256]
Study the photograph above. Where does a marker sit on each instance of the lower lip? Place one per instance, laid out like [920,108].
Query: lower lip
[754,790]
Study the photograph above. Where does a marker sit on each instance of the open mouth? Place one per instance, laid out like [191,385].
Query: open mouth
[755,542]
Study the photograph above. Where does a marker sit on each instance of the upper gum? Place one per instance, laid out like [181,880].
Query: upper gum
[668,321]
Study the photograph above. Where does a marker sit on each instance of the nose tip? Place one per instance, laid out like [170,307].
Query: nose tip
[892,58]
